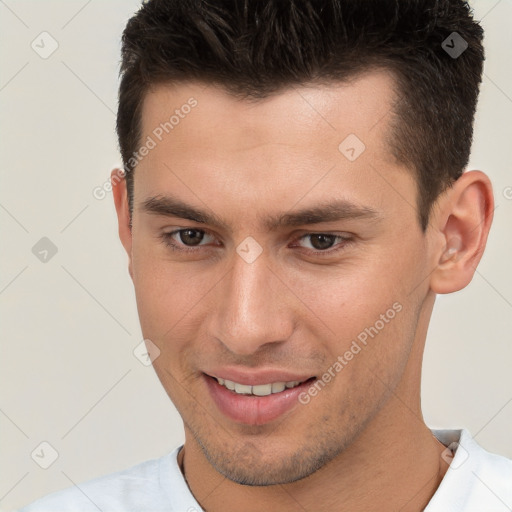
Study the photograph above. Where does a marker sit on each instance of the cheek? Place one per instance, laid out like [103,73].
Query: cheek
[165,291]
[347,300]
[371,317]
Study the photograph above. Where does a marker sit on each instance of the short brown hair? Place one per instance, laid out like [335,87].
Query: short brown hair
[254,48]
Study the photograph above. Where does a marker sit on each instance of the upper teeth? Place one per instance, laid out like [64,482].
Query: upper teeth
[260,389]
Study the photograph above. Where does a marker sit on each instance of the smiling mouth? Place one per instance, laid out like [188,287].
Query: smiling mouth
[258,403]
[270,388]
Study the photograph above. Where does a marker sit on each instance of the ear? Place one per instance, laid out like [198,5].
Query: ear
[462,223]
[120,193]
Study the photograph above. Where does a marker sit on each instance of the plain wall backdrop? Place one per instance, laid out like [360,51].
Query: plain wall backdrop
[69,324]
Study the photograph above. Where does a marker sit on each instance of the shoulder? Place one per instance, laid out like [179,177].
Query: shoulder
[130,489]
[476,479]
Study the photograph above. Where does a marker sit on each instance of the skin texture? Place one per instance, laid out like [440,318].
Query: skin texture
[361,442]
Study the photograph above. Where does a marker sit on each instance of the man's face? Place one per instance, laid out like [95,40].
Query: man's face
[256,295]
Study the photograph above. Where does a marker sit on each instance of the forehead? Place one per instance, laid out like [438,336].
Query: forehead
[289,115]
[303,141]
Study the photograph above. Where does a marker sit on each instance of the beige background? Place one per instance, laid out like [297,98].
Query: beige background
[68,373]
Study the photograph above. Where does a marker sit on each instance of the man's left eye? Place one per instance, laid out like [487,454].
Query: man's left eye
[322,242]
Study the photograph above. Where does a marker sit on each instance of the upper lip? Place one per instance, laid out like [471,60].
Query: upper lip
[256,377]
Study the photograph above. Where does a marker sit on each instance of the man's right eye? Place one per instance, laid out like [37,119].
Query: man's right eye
[184,239]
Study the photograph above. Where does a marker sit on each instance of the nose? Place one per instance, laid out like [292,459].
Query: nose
[253,308]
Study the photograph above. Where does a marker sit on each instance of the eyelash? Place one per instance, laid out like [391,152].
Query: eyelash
[167,239]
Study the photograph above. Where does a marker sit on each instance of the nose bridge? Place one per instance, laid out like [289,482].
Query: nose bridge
[250,314]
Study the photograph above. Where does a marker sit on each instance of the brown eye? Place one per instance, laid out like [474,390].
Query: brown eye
[186,239]
[325,244]
[191,236]
[322,241]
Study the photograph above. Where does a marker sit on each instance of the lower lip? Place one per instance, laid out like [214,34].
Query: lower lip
[254,410]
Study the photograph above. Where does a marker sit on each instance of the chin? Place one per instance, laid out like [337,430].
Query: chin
[248,466]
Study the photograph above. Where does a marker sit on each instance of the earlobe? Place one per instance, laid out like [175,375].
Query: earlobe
[463,224]
[120,193]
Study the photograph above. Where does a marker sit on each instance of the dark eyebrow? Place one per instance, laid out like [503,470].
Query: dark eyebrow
[172,207]
[327,212]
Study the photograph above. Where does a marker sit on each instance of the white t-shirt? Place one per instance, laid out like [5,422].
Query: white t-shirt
[476,481]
